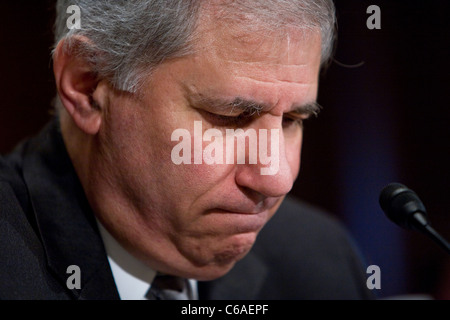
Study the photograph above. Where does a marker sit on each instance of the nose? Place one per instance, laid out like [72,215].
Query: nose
[272,175]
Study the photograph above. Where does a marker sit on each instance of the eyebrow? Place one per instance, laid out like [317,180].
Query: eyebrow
[308,109]
[251,107]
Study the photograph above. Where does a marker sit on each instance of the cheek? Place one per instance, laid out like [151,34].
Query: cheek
[203,161]
[196,179]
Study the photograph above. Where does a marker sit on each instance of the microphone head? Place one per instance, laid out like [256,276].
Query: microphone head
[400,204]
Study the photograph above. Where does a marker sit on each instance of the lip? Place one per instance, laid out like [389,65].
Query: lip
[239,222]
[238,212]
[242,217]
[249,209]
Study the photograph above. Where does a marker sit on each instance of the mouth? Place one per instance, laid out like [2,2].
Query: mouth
[250,208]
[244,218]
[238,218]
[239,212]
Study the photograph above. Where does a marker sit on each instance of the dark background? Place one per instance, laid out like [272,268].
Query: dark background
[386,118]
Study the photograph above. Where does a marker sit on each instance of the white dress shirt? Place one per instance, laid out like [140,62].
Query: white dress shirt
[132,277]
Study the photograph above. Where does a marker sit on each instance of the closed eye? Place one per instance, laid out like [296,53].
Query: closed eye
[221,120]
[293,119]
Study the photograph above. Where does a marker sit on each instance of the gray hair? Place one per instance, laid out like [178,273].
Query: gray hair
[128,39]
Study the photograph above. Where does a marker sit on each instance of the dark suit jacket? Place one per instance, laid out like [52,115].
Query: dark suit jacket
[46,225]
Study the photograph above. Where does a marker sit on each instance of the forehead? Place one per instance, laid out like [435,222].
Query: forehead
[247,38]
[292,55]
[234,61]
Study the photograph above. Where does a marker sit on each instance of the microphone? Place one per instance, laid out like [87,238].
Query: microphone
[403,206]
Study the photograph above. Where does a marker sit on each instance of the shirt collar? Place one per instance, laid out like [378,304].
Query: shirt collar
[133,278]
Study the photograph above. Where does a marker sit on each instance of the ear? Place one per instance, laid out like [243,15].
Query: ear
[76,83]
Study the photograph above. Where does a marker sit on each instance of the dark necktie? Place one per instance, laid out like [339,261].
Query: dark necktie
[165,287]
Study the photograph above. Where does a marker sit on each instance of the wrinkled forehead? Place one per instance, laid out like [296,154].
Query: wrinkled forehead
[245,38]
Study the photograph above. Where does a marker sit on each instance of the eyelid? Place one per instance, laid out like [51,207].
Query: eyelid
[298,115]
[238,117]
[234,112]
[224,120]
[226,115]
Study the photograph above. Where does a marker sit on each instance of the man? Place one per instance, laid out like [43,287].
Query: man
[141,173]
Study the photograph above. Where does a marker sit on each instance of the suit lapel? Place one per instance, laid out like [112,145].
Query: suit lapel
[64,219]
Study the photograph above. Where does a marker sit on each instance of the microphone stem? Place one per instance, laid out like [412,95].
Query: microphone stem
[437,238]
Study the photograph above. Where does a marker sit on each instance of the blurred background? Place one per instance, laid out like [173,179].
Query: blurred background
[386,118]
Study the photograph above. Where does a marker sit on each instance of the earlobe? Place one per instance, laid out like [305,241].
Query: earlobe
[76,83]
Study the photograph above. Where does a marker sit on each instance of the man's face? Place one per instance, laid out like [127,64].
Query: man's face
[197,220]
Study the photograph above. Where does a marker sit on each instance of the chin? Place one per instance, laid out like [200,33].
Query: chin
[216,261]
[213,272]
[238,248]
